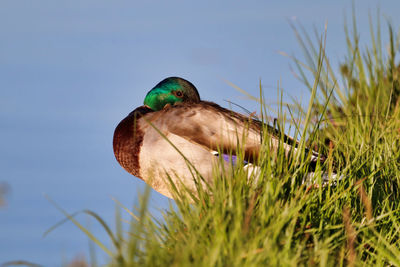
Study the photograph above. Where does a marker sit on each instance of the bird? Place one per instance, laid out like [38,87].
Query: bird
[175,136]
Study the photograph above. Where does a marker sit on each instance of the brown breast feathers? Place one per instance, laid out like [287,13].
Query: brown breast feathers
[128,139]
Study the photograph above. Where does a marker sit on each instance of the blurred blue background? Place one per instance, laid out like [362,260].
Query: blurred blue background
[71,70]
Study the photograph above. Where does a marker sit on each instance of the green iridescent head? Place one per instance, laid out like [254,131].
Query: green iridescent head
[170,91]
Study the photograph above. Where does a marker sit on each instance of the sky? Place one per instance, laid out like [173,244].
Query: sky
[71,70]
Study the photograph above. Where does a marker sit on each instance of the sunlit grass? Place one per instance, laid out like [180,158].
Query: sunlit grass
[353,118]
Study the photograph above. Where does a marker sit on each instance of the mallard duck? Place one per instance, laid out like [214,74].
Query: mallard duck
[174,127]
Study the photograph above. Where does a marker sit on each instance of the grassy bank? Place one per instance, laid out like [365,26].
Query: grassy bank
[354,119]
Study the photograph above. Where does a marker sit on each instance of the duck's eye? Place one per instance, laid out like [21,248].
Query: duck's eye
[179,94]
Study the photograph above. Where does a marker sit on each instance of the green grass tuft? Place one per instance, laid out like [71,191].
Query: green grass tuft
[353,118]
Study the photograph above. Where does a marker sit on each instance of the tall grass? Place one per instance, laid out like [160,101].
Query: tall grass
[354,119]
